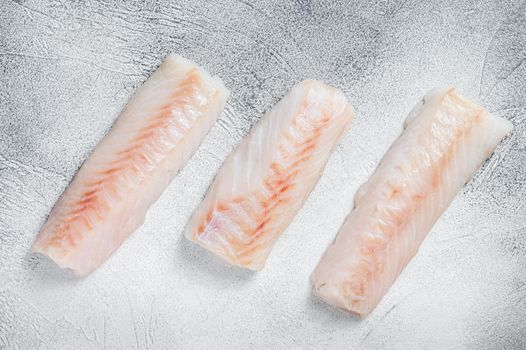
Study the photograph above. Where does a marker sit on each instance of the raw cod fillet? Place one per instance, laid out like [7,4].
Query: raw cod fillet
[267,178]
[156,133]
[446,139]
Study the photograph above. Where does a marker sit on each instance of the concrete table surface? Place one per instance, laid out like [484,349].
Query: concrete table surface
[68,67]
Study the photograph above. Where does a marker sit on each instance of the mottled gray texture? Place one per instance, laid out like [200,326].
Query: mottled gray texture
[68,67]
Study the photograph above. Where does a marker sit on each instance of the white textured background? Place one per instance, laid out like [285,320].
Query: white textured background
[68,67]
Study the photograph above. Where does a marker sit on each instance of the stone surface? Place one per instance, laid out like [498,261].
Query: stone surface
[68,67]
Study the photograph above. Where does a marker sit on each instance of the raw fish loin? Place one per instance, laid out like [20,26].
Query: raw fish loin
[445,140]
[158,130]
[267,178]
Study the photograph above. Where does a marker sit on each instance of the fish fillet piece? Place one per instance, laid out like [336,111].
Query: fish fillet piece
[267,178]
[445,140]
[156,133]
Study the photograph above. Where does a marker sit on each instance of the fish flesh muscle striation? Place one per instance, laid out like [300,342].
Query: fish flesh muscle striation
[445,140]
[265,181]
[156,133]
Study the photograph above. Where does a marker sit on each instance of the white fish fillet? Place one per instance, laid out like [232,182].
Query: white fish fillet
[158,130]
[267,178]
[446,139]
